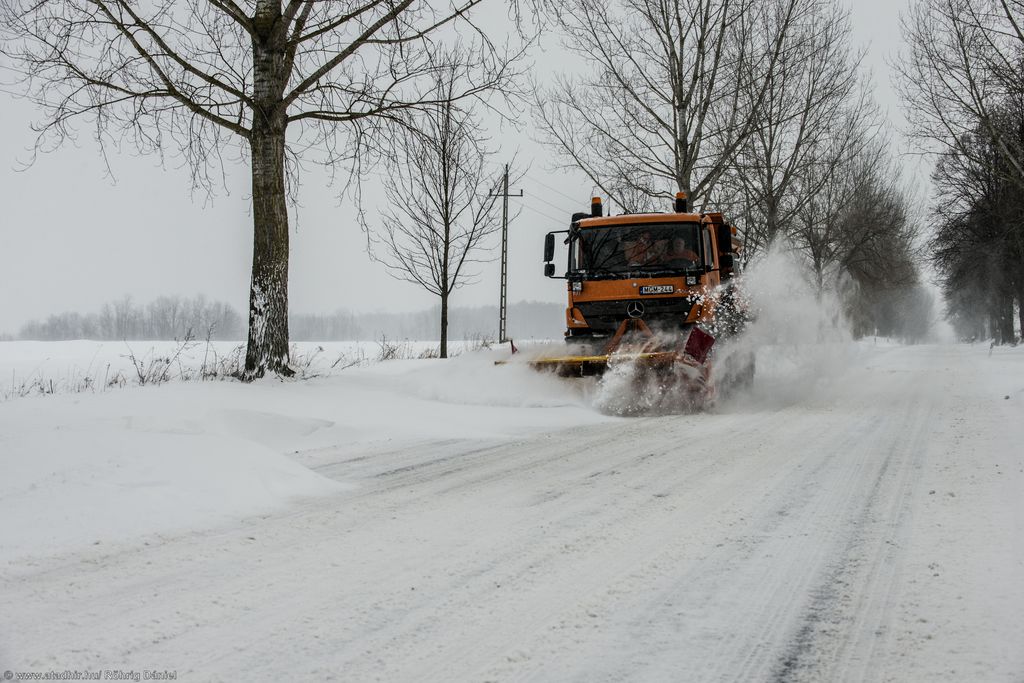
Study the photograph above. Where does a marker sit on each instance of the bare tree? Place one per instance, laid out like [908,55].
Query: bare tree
[165,316]
[814,228]
[439,211]
[858,235]
[126,316]
[963,68]
[269,79]
[667,104]
[962,80]
[809,117]
[978,240]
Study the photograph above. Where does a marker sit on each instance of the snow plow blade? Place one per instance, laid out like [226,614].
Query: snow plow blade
[585,366]
[648,352]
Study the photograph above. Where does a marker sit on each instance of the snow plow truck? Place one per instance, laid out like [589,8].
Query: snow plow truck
[650,292]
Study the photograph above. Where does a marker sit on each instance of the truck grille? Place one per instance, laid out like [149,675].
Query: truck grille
[605,316]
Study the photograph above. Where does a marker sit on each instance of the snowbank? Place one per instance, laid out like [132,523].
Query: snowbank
[92,469]
[104,467]
[80,366]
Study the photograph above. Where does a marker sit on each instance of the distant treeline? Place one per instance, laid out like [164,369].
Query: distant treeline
[526,320]
[173,317]
[167,317]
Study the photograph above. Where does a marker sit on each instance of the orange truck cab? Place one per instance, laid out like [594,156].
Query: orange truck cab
[656,267]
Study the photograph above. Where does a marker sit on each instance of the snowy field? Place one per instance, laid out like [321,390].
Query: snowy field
[186,453]
[858,515]
[28,367]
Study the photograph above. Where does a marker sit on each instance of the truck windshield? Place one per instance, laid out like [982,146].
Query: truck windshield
[631,248]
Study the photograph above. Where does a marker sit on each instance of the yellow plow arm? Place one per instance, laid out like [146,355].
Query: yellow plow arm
[646,352]
[583,366]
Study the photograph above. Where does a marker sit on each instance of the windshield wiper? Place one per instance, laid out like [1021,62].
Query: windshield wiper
[604,275]
[601,273]
[658,270]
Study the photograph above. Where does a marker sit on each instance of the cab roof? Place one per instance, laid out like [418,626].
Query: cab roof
[635,218]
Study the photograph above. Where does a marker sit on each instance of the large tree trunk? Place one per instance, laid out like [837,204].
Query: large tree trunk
[771,222]
[267,347]
[1006,335]
[1020,304]
[268,294]
[444,325]
[446,288]
[1001,316]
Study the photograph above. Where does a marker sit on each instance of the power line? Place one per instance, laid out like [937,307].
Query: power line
[541,213]
[556,208]
[548,187]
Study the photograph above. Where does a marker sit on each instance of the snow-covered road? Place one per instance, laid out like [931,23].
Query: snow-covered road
[873,531]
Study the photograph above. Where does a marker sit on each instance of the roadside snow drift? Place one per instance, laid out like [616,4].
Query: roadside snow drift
[96,469]
[90,469]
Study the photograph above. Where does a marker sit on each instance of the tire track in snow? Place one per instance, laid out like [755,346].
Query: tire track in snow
[760,638]
[850,616]
[600,556]
[209,590]
[510,565]
[684,639]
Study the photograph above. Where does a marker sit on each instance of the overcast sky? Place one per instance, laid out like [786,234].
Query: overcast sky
[72,237]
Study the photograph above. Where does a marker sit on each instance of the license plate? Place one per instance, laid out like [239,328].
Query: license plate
[657,289]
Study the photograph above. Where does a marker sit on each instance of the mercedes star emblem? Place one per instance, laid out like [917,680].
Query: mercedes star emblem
[635,309]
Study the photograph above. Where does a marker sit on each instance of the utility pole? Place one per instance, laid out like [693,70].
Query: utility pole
[503,304]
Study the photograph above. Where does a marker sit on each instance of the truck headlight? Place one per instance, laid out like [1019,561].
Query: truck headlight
[577,286]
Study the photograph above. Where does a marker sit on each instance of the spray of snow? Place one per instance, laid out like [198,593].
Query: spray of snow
[627,388]
[630,388]
[798,341]
[799,336]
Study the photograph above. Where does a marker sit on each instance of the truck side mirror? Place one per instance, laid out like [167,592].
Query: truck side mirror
[549,268]
[725,262]
[549,248]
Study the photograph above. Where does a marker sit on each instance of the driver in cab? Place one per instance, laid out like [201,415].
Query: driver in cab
[645,251]
[680,255]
